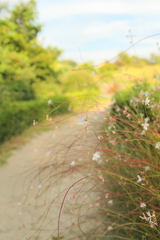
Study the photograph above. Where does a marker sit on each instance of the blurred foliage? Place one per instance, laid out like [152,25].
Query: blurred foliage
[87,66]
[29,73]
[78,80]
[19,115]
[23,60]
[154,59]
[125,59]
[130,103]
[131,134]
[107,69]
[16,77]
[69,63]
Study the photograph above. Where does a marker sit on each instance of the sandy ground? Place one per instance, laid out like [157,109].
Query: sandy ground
[43,193]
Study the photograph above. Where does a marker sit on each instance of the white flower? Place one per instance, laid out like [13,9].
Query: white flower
[157,145]
[147,168]
[147,101]
[143,132]
[147,119]
[82,121]
[96,156]
[142,205]
[109,228]
[110,201]
[146,93]
[50,102]
[151,218]
[73,163]
[149,214]
[128,116]
[139,179]
[145,126]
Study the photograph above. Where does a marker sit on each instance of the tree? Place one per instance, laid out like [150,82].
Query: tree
[69,63]
[123,59]
[24,17]
[107,68]
[88,66]
[19,30]
[23,61]
[79,81]
[154,59]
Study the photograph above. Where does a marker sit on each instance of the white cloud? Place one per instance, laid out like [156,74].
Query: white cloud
[54,9]
[96,56]
[106,30]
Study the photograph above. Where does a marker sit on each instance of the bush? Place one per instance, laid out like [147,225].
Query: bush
[131,173]
[79,81]
[16,117]
[135,102]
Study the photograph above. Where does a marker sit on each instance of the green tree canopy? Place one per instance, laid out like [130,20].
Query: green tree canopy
[24,16]
[19,29]
[23,60]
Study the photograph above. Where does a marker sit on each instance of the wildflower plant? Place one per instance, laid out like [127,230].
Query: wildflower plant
[132,171]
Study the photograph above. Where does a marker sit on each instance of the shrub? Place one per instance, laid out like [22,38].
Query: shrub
[131,170]
[79,81]
[135,102]
[16,117]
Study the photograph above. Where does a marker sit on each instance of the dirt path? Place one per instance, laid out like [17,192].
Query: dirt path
[38,176]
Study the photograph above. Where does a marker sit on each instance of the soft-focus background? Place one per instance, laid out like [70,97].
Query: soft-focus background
[97,62]
[96,30]
[58,56]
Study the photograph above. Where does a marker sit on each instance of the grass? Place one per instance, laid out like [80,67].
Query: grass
[131,172]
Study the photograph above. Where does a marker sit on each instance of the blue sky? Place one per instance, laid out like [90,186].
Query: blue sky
[96,30]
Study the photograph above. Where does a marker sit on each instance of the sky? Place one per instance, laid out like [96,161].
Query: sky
[98,30]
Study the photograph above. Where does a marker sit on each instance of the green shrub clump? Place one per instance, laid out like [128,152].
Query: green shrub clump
[17,116]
